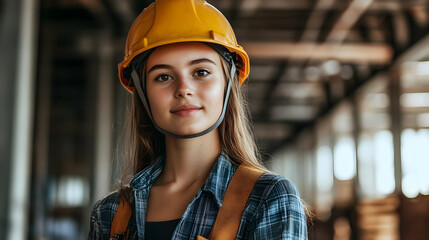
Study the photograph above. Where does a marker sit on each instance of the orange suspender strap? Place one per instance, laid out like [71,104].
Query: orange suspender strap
[118,230]
[235,199]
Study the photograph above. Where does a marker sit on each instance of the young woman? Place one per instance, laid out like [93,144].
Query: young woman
[188,132]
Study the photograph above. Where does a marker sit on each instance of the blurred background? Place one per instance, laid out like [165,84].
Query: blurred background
[338,92]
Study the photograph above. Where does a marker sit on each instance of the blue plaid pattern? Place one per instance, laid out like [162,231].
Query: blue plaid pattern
[273,210]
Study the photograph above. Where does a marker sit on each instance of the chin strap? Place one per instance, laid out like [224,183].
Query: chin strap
[137,83]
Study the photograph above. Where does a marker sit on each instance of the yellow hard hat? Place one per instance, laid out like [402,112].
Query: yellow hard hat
[172,21]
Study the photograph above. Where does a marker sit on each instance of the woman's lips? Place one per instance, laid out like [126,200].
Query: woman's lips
[185,110]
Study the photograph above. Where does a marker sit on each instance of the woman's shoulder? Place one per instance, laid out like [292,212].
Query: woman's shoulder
[104,209]
[271,186]
[275,210]
[109,201]
[102,215]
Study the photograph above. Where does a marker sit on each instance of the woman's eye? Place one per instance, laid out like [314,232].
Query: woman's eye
[201,73]
[163,78]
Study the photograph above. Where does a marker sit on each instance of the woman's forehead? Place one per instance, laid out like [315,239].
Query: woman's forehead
[182,52]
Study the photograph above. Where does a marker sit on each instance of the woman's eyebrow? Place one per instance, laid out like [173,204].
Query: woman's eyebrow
[160,66]
[201,60]
[166,66]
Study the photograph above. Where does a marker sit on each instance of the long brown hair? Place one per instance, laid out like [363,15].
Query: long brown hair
[142,144]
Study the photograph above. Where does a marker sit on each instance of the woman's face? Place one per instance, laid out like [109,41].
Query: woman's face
[185,87]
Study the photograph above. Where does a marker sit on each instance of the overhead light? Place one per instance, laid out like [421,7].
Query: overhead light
[344,159]
[422,68]
[415,100]
[410,186]
[331,67]
[324,171]
[384,166]
[414,152]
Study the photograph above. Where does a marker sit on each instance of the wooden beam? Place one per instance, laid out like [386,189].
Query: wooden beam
[347,20]
[267,5]
[379,54]
[315,21]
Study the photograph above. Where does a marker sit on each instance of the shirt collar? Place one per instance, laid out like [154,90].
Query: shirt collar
[219,177]
[216,183]
[146,177]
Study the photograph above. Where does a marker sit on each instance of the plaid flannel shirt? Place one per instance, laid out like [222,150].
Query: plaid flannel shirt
[273,210]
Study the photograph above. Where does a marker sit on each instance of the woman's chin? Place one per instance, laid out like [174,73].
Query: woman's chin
[187,131]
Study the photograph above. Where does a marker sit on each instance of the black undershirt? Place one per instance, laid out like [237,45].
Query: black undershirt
[160,230]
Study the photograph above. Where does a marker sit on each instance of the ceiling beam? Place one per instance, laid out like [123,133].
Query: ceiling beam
[251,5]
[315,21]
[347,20]
[379,54]
[378,5]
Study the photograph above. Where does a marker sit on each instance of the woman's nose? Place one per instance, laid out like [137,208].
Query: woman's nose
[184,87]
